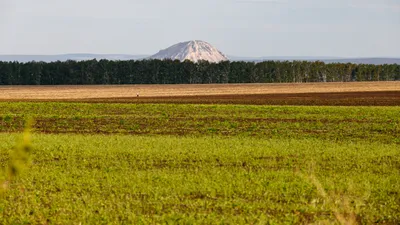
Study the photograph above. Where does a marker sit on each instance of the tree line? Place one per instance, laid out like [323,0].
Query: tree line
[175,72]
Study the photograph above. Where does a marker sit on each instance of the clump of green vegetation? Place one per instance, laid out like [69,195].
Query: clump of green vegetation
[18,160]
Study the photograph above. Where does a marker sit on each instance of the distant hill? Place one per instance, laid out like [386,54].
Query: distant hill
[193,51]
[65,57]
[374,61]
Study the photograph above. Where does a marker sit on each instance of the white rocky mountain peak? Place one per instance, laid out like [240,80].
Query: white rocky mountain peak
[192,50]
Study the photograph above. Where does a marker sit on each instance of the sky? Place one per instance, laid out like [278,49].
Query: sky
[252,28]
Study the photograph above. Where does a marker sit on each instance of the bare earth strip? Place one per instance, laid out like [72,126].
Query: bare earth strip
[357,93]
[126,91]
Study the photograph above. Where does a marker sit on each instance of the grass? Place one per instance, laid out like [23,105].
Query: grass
[97,179]
[201,164]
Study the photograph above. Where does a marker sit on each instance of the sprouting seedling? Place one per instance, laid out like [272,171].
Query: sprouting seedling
[19,158]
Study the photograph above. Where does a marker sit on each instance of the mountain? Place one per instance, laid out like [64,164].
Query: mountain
[65,57]
[191,50]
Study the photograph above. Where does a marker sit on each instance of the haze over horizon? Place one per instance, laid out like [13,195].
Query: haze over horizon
[246,28]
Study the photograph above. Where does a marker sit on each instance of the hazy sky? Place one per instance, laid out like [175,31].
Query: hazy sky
[346,28]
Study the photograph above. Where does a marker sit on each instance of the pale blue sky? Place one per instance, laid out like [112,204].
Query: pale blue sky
[343,28]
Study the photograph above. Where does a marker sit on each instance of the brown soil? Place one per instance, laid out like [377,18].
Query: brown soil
[357,93]
[386,98]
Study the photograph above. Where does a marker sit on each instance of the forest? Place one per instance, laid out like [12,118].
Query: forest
[187,72]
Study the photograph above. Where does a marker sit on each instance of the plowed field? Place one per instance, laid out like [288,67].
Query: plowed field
[360,93]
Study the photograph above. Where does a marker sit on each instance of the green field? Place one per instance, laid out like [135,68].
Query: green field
[201,164]
[336,123]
